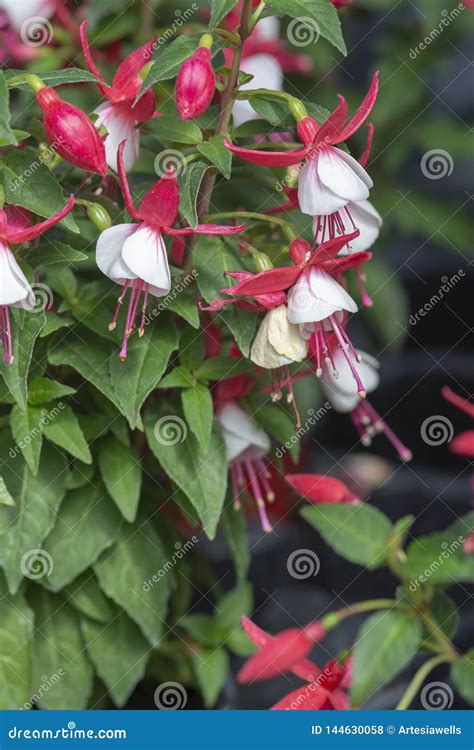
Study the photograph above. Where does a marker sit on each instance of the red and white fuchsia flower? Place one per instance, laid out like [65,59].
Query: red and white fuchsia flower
[196,82]
[246,446]
[134,255]
[119,114]
[338,384]
[15,290]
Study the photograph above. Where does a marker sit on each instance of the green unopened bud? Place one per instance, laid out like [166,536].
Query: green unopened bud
[297,110]
[99,216]
[206,41]
[261,261]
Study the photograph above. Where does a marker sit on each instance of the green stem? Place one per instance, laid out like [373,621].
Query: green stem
[34,82]
[446,647]
[332,619]
[288,229]
[229,35]
[417,682]
[256,16]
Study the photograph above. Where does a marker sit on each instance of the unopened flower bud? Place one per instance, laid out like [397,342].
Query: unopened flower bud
[300,251]
[71,133]
[99,216]
[196,83]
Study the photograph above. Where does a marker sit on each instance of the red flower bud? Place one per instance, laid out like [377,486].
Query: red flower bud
[195,85]
[71,133]
[300,251]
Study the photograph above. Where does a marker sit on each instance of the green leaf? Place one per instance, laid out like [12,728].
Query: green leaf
[125,574]
[462,674]
[147,360]
[172,128]
[180,377]
[219,9]
[202,476]
[51,252]
[89,357]
[85,595]
[203,629]
[27,431]
[199,413]
[212,258]
[28,183]
[56,77]
[26,329]
[119,653]
[121,471]
[235,532]
[232,606]
[65,431]
[217,368]
[169,60]
[16,631]
[387,291]
[439,558]
[189,183]
[446,616]
[41,390]
[55,323]
[278,423]
[211,668]
[24,527]
[185,306]
[323,14]
[59,657]
[387,642]
[7,135]
[87,524]
[357,532]
[5,497]
[220,156]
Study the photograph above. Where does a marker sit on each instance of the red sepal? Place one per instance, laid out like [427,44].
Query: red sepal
[29,233]
[268,158]
[317,488]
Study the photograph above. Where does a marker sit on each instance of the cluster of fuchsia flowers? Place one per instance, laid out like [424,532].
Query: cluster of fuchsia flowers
[305,305]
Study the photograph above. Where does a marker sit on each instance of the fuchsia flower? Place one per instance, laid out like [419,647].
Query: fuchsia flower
[321,694]
[316,301]
[134,255]
[280,653]
[196,82]
[15,290]
[339,387]
[330,178]
[119,114]
[317,488]
[462,444]
[70,133]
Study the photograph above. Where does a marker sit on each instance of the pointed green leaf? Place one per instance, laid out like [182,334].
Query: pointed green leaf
[218,154]
[27,431]
[121,471]
[16,631]
[199,413]
[211,667]
[7,135]
[85,595]
[318,17]
[26,328]
[42,390]
[65,431]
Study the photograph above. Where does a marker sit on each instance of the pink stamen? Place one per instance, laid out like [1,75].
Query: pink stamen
[235,485]
[141,330]
[257,494]
[375,418]
[264,476]
[366,299]
[119,304]
[335,324]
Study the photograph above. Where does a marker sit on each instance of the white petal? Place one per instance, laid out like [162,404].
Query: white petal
[109,252]
[241,433]
[14,286]
[278,342]
[345,383]
[144,252]
[120,127]
[267,73]
[315,198]
[268,28]
[21,11]
[340,173]
[367,220]
[341,402]
[316,296]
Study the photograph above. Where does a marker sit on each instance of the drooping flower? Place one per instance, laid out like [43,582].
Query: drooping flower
[286,651]
[119,114]
[338,384]
[134,255]
[329,178]
[318,488]
[246,446]
[15,290]
[323,693]
[70,133]
[196,82]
